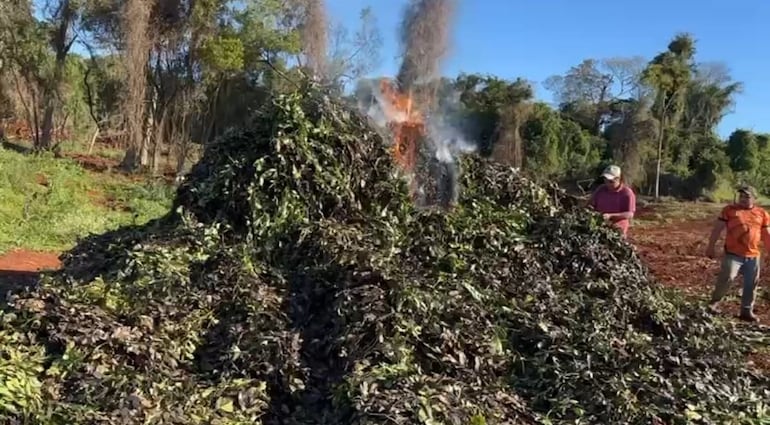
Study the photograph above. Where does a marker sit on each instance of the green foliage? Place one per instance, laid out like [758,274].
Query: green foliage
[710,169]
[221,59]
[724,192]
[749,154]
[74,91]
[104,83]
[264,30]
[49,203]
[21,367]
[223,54]
[486,99]
[559,148]
[295,282]
[743,151]
[670,72]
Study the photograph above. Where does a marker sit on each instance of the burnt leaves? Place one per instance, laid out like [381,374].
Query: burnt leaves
[295,283]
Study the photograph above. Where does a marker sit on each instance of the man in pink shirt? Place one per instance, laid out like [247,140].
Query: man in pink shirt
[615,200]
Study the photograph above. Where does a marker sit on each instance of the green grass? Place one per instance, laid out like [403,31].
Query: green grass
[49,203]
[81,147]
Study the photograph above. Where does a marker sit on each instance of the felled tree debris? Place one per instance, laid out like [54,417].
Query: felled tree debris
[295,283]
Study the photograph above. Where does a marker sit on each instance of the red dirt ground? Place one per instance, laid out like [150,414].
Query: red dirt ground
[93,162]
[29,261]
[20,268]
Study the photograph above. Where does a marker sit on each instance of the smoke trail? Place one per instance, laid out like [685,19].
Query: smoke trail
[424,34]
[447,143]
[425,40]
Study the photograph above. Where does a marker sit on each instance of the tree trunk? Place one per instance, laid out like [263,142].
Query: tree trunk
[661,136]
[93,140]
[181,157]
[46,131]
[135,20]
[51,90]
[158,137]
[657,168]
[147,140]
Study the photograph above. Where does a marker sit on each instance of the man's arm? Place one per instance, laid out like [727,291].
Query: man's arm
[766,238]
[766,231]
[716,232]
[621,215]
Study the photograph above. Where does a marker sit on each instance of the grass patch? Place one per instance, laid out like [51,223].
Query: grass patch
[144,200]
[81,147]
[49,203]
[671,211]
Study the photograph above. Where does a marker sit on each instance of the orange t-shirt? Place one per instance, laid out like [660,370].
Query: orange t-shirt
[744,229]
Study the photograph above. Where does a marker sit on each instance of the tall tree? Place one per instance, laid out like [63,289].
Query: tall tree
[669,74]
[136,28]
[629,138]
[587,91]
[23,40]
[62,20]
[710,95]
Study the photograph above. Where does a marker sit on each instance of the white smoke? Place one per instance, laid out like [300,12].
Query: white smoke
[445,140]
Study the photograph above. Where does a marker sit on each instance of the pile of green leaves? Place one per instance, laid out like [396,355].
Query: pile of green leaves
[295,283]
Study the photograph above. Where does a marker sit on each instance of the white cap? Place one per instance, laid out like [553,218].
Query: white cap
[612,172]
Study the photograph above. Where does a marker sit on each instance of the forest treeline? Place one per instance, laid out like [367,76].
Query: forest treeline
[159,77]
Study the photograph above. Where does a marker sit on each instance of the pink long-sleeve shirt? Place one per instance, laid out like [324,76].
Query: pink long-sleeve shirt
[608,201]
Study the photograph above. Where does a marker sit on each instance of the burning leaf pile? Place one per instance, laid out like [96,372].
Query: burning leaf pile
[296,283]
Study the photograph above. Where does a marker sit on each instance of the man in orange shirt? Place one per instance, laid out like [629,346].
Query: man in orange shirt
[746,224]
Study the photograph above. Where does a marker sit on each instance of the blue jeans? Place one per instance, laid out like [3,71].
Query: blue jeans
[732,265]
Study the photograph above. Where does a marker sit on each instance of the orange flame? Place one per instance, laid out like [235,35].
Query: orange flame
[406,123]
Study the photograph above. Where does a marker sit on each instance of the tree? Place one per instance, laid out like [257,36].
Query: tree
[352,55]
[709,164]
[136,26]
[27,60]
[586,92]
[710,96]
[62,19]
[495,109]
[743,151]
[629,139]
[669,75]
[314,37]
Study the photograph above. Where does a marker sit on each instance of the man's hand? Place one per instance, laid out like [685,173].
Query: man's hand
[719,226]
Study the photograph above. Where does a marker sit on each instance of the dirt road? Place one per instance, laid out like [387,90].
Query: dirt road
[21,267]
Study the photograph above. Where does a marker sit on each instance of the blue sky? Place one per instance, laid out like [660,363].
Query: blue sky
[536,39]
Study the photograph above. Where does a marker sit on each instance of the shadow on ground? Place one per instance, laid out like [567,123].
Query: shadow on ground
[14,280]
